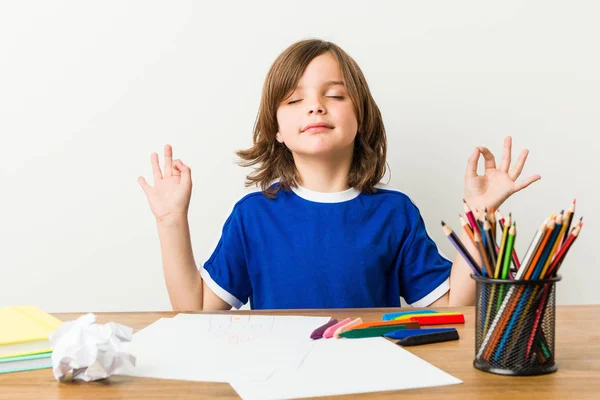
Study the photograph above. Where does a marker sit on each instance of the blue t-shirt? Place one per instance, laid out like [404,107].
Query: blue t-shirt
[307,249]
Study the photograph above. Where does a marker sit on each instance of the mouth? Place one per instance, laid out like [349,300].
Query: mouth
[317,127]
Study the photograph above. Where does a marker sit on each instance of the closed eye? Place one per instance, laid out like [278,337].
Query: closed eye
[333,97]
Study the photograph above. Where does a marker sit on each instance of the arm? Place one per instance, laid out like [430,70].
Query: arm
[462,287]
[169,200]
[489,190]
[187,291]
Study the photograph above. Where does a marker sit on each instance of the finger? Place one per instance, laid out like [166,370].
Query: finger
[471,171]
[516,170]
[177,168]
[156,168]
[526,182]
[168,160]
[490,160]
[186,173]
[506,154]
[145,186]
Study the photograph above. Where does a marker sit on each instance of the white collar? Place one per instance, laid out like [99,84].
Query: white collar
[322,197]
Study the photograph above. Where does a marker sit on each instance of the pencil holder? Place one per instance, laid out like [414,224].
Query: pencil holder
[515,326]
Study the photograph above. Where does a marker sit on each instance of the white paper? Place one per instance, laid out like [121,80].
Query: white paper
[346,366]
[221,347]
[90,351]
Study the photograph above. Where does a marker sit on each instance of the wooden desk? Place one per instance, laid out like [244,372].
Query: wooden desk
[577,357]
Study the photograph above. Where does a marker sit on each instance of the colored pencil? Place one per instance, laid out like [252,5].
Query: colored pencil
[501,249]
[564,249]
[515,259]
[511,297]
[483,216]
[570,214]
[563,230]
[547,272]
[559,222]
[534,293]
[479,219]
[531,295]
[494,328]
[492,219]
[485,262]
[512,231]
[461,249]
[470,216]
[538,253]
[467,228]
[538,317]
[519,316]
[533,247]
[490,243]
[547,249]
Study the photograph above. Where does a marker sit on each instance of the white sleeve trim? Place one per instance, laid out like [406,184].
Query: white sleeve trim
[219,291]
[433,295]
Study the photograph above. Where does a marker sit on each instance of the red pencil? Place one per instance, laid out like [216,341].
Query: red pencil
[553,269]
[538,317]
[470,216]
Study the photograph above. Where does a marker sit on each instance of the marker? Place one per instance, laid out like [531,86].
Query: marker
[318,333]
[440,320]
[387,323]
[331,330]
[377,331]
[422,314]
[347,327]
[404,333]
[430,338]
[391,316]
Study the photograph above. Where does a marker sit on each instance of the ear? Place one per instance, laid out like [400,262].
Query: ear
[279,137]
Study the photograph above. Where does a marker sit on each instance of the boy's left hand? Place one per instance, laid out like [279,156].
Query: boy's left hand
[497,184]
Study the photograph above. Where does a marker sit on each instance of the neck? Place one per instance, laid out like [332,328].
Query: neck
[324,174]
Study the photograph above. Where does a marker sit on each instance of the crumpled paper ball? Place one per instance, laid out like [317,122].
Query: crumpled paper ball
[91,351]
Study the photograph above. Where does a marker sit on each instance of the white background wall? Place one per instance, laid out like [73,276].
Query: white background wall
[89,89]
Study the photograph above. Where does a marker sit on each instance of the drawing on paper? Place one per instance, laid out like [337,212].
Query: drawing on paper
[239,329]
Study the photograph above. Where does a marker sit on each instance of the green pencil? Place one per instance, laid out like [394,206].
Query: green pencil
[509,248]
[501,250]
[510,243]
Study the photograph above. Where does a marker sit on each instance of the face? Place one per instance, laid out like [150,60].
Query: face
[320,100]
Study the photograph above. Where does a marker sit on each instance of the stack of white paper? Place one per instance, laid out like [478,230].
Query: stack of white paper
[273,357]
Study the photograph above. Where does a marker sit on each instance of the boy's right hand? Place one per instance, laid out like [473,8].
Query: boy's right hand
[170,196]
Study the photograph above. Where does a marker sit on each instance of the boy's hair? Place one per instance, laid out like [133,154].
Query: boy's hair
[275,160]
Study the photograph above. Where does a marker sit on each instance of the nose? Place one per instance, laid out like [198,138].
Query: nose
[317,107]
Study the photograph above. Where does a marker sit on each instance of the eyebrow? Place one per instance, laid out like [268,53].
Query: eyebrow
[329,83]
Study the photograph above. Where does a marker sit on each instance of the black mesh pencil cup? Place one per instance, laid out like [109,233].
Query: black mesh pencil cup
[515,326]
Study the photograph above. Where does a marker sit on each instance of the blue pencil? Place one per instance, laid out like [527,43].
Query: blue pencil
[540,264]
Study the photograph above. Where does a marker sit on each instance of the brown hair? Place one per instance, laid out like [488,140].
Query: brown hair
[275,160]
